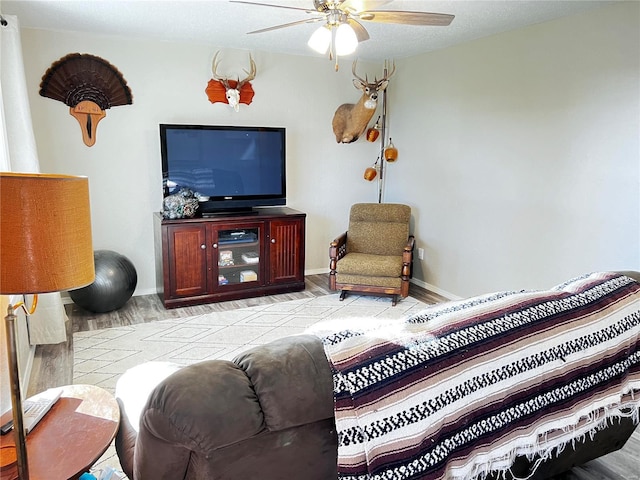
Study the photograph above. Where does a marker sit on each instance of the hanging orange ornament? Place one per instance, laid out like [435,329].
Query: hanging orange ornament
[374,132]
[371,172]
[390,152]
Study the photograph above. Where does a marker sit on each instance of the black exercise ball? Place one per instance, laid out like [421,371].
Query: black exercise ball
[116,279]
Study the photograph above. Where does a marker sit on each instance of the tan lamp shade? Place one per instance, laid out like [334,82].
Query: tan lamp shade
[45,233]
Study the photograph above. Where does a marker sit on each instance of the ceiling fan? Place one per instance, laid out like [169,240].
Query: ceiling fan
[342,31]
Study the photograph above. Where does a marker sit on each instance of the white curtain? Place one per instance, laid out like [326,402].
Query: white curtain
[19,154]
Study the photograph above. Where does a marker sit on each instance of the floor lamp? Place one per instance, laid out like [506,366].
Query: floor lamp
[45,246]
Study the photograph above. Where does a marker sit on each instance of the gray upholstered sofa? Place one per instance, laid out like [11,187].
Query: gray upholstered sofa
[268,414]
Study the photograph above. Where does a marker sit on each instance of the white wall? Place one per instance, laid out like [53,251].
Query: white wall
[168,82]
[520,153]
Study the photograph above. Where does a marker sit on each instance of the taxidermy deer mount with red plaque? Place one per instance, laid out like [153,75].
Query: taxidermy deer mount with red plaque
[351,119]
[88,85]
[232,92]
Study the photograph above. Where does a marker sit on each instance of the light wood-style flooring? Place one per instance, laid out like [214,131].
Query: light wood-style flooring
[53,364]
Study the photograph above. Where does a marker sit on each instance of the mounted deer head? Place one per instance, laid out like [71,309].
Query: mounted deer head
[233,92]
[351,119]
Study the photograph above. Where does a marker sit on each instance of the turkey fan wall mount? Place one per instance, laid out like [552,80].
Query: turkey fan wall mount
[341,30]
[88,85]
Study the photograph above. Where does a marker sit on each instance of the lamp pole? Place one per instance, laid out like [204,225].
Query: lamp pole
[16,398]
[383,138]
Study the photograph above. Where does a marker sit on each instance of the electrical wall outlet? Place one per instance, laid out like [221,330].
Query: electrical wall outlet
[421,253]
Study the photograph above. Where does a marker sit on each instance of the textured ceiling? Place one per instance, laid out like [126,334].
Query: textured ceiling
[224,24]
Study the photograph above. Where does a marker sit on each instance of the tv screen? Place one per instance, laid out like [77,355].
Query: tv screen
[228,167]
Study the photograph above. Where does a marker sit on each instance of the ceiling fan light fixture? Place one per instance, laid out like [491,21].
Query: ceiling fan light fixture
[320,40]
[346,40]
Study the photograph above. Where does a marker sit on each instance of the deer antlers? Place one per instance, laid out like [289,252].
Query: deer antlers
[375,81]
[250,75]
[214,67]
[225,81]
[232,92]
[351,119]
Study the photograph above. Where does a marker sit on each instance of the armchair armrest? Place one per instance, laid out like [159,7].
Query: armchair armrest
[411,242]
[337,250]
[407,258]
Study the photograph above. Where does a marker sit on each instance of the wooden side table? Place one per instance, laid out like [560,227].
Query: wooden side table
[71,437]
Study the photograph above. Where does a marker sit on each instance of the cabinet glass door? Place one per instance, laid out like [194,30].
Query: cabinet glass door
[239,256]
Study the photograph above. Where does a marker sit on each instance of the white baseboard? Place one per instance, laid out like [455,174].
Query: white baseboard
[147,291]
[66,299]
[434,289]
[316,271]
[420,283]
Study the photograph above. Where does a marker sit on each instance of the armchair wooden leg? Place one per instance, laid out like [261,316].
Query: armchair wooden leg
[343,294]
[394,300]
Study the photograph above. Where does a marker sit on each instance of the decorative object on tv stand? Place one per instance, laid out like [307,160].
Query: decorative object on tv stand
[351,119]
[115,282]
[40,252]
[88,85]
[342,30]
[232,92]
[183,204]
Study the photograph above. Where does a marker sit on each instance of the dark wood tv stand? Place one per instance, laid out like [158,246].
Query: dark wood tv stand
[228,257]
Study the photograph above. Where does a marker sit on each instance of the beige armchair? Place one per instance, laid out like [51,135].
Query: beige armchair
[375,255]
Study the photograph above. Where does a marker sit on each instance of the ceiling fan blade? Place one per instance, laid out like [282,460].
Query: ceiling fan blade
[276,6]
[355,6]
[361,32]
[277,27]
[406,18]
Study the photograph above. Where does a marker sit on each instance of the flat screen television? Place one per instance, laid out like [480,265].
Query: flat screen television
[230,168]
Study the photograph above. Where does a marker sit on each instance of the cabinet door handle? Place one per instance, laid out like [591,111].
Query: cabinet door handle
[203,246]
[273,240]
[215,245]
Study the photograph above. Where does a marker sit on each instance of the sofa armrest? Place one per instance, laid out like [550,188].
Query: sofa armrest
[203,407]
[158,459]
[292,379]
[168,411]
[631,274]
[132,392]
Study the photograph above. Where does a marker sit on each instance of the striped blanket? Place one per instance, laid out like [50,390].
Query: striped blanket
[461,388]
